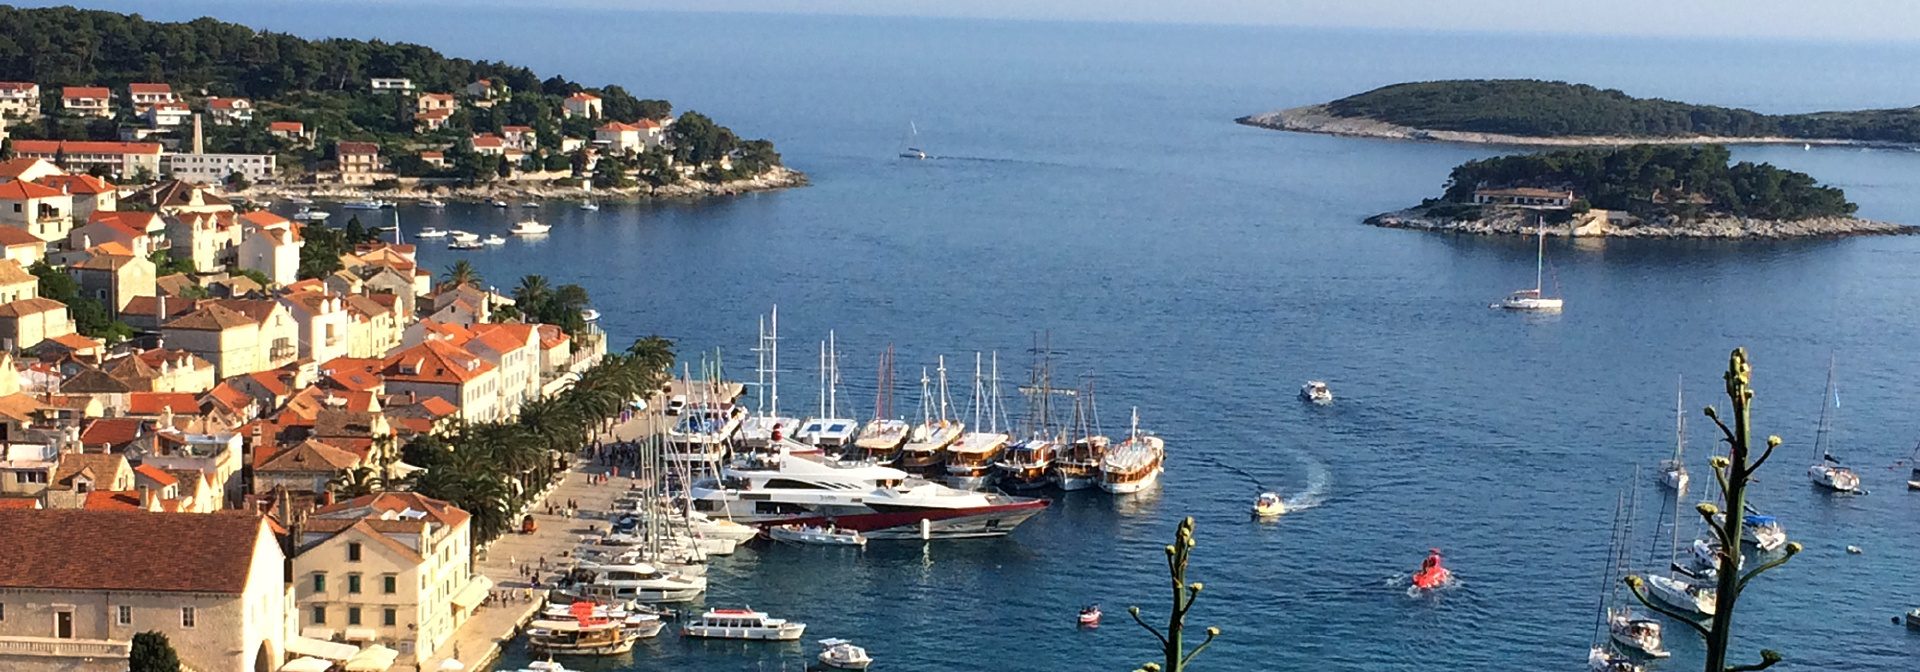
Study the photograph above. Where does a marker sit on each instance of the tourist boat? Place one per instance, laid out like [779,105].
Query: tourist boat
[1077,466]
[529,228]
[635,582]
[1135,464]
[880,440]
[431,232]
[970,458]
[926,445]
[1316,391]
[628,613]
[1827,471]
[1090,616]
[741,624]
[1027,465]
[842,654]
[433,204]
[1673,471]
[1534,299]
[878,502]
[829,431]
[1269,505]
[466,245]
[494,239]
[700,433]
[590,206]
[584,635]
[767,427]
[1605,659]
[811,535]
[309,215]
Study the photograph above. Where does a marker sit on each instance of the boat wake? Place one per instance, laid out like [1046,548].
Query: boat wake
[1319,478]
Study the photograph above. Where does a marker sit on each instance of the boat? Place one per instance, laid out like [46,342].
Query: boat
[877,501]
[926,445]
[828,431]
[1316,391]
[880,440]
[590,206]
[1636,635]
[1685,584]
[815,536]
[529,228]
[542,666]
[433,204]
[587,630]
[767,427]
[310,215]
[913,133]
[464,236]
[1027,464]
[842,654]
[1090,616]
[1913,475]
[1077,466]
[1913,620]
[719,528]
[1763,532]
[466,245]
[529,204]
[1269,505]
[495,202]
[1673,471]
[1135,464]
[1827,472]
[741,624]
[1534,299]
[372,204]
[431,232]
[700,433]
[1605,659]
[494,239]
[1681,595]
[299,200]
[629,582]
[970,458]
[1432,575]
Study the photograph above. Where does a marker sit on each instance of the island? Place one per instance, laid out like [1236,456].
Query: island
[270,115]
[1544,113]
[1637,191]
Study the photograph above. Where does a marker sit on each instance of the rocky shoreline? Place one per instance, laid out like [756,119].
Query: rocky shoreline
[780,177]
[1514,221]
[1319,119]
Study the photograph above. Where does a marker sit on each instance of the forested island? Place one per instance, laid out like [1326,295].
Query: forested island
[1658,191]
[1535,112]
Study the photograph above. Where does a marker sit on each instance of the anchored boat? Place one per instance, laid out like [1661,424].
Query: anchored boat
[878,502]
[1827,472]
[741,624]
[1135,464]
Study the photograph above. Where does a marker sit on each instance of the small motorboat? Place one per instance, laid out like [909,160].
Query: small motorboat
[495,202]
[494,239]
[529,228]
[310,215]
[913,153]
[1763,532]
[818,536]
[590,206]
[1432,576]
[466,245]
[373,204]
[529,204]
[433,204]
[299,200]
[1316,391]
[1269,505]
[464,236]
[1913,620]
[1604,659]
[431,232]
[1090,616]
[842,654]
[543,666]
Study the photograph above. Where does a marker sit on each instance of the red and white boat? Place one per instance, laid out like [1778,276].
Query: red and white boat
[878,502]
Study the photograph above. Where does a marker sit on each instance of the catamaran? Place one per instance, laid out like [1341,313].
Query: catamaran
[1533,299]
[1673,471]
[1135,464]
[880,441]
[827,430]
[970,459]
[927,444]
[1827,471]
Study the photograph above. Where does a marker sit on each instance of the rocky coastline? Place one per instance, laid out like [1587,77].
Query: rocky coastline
[535,189]
[1319,119]
[1597,224]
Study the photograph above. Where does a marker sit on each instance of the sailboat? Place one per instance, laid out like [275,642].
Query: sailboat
[1135,464]
[970,459]
[1673,471]
[1636,635]
[913,134]
[1028,463]
[1078,468]
[1826,471]
[1913,461]
[767,427]
[880,441]
[827,430]
[927,444]
[1533,299]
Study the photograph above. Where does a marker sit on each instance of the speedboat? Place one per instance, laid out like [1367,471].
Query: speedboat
[1269,505]
[464,236]
[299,200]
[913,153]
[374,204]
[494,239]
[1432,576]
[878,502]
[1830,475]
[816,536]
[842,654]
[1686,597]
[529,228]
[466,245]
[1090,616]
[431,232]
[529,204]
[495,202]
[590,206]
[1640,635]
[310,215]
[1316,391]
[741,624]
[433,204]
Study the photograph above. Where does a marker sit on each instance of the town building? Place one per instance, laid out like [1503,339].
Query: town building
[90,194]
[235,342]
[166,115]
[43,211]
[436,368]
[1526,197]
[76,156]
[581,104]
[143,95]
[323,323]
[230,111]
[20,100]
[488,144]
[358,162]
[291,130]
[389,568]
[216,168]
[270,244]
[211,240]
[391,84]
[87,101]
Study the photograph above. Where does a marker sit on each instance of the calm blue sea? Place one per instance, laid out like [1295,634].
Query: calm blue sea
[1088,182]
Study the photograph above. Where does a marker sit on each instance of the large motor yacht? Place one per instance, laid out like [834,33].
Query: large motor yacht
[879,502]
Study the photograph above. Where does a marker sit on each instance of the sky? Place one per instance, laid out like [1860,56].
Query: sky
[1845,20]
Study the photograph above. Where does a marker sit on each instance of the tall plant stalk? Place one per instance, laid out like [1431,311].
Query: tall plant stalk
[1171,640]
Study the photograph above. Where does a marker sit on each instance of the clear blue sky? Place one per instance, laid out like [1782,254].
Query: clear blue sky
[1869,20]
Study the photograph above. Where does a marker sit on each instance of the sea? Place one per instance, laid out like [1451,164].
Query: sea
[1086,190]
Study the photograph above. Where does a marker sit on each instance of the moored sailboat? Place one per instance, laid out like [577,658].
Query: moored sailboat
[827,430]
[1078,466]
[767,427]
[1534,299]
[1673,471]
[1827,472]
[926,445]
[1135,464]
[879,442]
[970,458]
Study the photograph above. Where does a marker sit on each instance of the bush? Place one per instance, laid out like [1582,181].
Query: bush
[388,184]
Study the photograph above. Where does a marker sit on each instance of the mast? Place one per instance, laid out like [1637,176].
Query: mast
[1540,258]
[760,368]
[980,394]
[823,381]
[926,402]
[1680,429]
[883,397]
[1829,408]
[773,360]
[994,410]
[833,377]
[943,389]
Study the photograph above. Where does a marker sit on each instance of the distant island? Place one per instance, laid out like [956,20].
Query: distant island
[1535,112]
[1637,191]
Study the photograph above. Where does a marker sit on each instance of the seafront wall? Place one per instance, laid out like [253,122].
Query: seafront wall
[1516,221]
[1318,119]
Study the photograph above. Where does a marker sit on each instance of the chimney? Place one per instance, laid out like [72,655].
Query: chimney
[199,146]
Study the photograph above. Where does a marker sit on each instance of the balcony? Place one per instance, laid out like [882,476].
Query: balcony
[283,351]
[48,647]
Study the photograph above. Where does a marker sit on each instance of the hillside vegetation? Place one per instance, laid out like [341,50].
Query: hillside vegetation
[1541,108]
[1687,182]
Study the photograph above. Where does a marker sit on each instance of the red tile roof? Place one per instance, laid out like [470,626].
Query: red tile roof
[79,147]
[488,141]
[434,362]
[156,475]
[108,500]
[152,403]
[85,92]
[438,406]
[149,88]
[113,431]
[11,236]
[436,510]
[20,190]
[19,503]
[13,168]
[288,126]
[76,342]
[83,184]
[356,148]
[225,103]
[128,550]
[582,96]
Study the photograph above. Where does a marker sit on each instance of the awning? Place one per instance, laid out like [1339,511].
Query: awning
[320,648]
[374,658]
[307,665]
[361,634]
[319,632]
[403,470]
[452,664]
[473,593]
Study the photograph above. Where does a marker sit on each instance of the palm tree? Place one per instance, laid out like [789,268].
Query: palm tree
[357,482]
[463,273]
[532,292]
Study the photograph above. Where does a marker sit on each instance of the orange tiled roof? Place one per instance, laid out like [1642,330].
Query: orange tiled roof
[19,190]
[85,92]
[152,403]
[17,237]
[149,88]
[94,551]
[113,431]
[434,362]
[84,147]
[13,168]
[290,126]
[156,475]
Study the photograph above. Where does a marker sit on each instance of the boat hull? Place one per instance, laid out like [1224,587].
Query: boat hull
[1834,478]
[987,521]
[1674,593]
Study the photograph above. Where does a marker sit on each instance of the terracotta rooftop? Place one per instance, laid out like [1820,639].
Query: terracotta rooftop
[85,92]
[84,147]
[213,317]
[149,88]
[15,167]
[311,456]
[20,190]
[34,306]
[81,184]
[434,362]
[17,237]
[95,550]
[113,431]
[371,505]
[153,403]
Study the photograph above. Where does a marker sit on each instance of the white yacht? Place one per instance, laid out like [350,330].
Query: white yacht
[829,431]
[529,228]
[1603,659]
[494,239]
[741,624]
[813,535]
[1827,472]
[720,528]
[1640,635]
[879,502]
[433,204]
[311,215]
[466,245]
[1673,471]
[496,202]
[529,204]
[842,654]
[299,200]
[370,204]
[1316,391]
[637,582]
[1686,597]
[431,232]
[464,236]
[1135,464]
[590,206]
[1534,299]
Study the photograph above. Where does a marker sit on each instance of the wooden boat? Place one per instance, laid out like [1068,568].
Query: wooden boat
[970,458]
[927,444]
[880,441]
[585,636]
[1135,464]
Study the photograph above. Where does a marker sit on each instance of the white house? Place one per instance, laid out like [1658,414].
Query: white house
[87,101]
[144,94]
[227,111]
[20,100]
[323,322]
[385,84]
[215,168]
[270,244]
[389,568]
[166,115]
[581,104]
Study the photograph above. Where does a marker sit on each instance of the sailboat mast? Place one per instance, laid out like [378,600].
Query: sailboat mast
[833,377]
[823,381]
[760,370]
[773,360]
[980,393]
[1540,259]
[926,402]
[993,414]
[943,389]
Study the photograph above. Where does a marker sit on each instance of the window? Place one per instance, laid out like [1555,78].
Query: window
[353,548]
[353,615]
[353,584]
[389,616]
[186,617]
[126,615]
[319,582]
[319,615]
[63,624]
[389,584]
[3,611]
